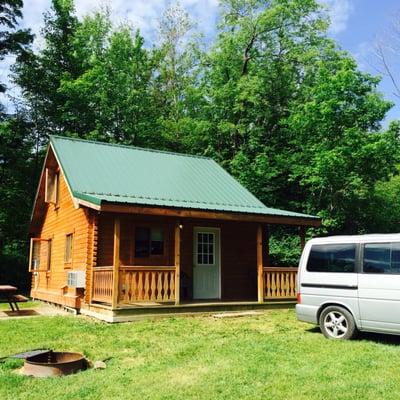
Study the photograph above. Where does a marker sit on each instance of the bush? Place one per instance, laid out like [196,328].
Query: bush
[14,271]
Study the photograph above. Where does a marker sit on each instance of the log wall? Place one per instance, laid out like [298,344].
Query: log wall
[58,221]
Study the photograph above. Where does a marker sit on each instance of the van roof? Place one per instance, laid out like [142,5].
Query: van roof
[375,237]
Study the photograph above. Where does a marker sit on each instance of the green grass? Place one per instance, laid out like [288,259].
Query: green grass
[271,356]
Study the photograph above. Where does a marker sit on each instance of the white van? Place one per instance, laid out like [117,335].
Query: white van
[350,283]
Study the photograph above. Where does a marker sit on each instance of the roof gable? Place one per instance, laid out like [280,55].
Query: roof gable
[100,172]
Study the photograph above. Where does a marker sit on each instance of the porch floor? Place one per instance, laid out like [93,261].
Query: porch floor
[135,311]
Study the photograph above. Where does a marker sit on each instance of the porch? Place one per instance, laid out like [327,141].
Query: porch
[120,286]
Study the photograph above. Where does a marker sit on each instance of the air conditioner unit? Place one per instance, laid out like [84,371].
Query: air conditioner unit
[76,279]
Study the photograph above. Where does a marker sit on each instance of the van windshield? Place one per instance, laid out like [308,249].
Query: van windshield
[332,258]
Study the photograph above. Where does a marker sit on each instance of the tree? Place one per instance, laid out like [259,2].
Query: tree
[113,94]
[176,82]
[292,116]
[40,74]
[386,53]
[17,183]
[90,80]
[12,40]
[340,150]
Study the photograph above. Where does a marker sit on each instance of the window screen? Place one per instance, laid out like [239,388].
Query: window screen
[381,258]
[332,258]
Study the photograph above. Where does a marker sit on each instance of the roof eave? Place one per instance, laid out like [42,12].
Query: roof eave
[86,200]
[209,214]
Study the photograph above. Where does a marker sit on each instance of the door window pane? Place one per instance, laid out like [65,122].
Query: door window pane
[332,258]
[381,258]
[205,248]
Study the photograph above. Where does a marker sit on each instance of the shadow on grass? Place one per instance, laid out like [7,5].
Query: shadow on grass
[21,313]
[381,338]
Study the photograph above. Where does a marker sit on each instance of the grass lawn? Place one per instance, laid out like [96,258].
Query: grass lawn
[271,356]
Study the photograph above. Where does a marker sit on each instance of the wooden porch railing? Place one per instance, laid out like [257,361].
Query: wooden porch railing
[102,284]
[148,283]
[280,283]
[137,283]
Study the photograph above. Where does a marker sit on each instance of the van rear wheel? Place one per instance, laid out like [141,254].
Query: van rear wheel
[337,323]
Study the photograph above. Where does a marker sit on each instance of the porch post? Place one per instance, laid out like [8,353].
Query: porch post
[177,263]
[116,262]
[302,237]
[267,259]
[260,271]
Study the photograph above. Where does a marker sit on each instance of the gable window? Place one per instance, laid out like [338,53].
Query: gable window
[149,242]
[52,186]
[68,247]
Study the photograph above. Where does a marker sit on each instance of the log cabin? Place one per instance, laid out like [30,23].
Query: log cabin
[117,230]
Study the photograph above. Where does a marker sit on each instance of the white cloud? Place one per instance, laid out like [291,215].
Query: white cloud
[339,13]
[363,54]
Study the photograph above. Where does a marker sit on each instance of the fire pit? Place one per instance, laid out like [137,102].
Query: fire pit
[54,363]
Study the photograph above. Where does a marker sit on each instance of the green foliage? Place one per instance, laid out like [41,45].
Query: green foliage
[284,249]
[292,116]
[13,268]
[17,185]
[114,93]
[12,40]
[272,99]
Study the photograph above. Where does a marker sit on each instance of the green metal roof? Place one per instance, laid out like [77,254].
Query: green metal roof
[101,172]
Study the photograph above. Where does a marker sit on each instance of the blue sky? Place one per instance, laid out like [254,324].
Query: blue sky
[367,22]
[356,25]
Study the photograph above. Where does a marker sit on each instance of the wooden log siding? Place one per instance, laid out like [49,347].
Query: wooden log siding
[280,283]
[143,283]
[102,284]
[59,220]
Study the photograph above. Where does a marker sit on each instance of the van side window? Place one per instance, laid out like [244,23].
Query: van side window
[381,258]
[332,258]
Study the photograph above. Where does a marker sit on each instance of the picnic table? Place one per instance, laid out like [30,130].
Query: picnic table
[8,292]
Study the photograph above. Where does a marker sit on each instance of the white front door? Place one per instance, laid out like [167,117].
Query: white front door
[206,263]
